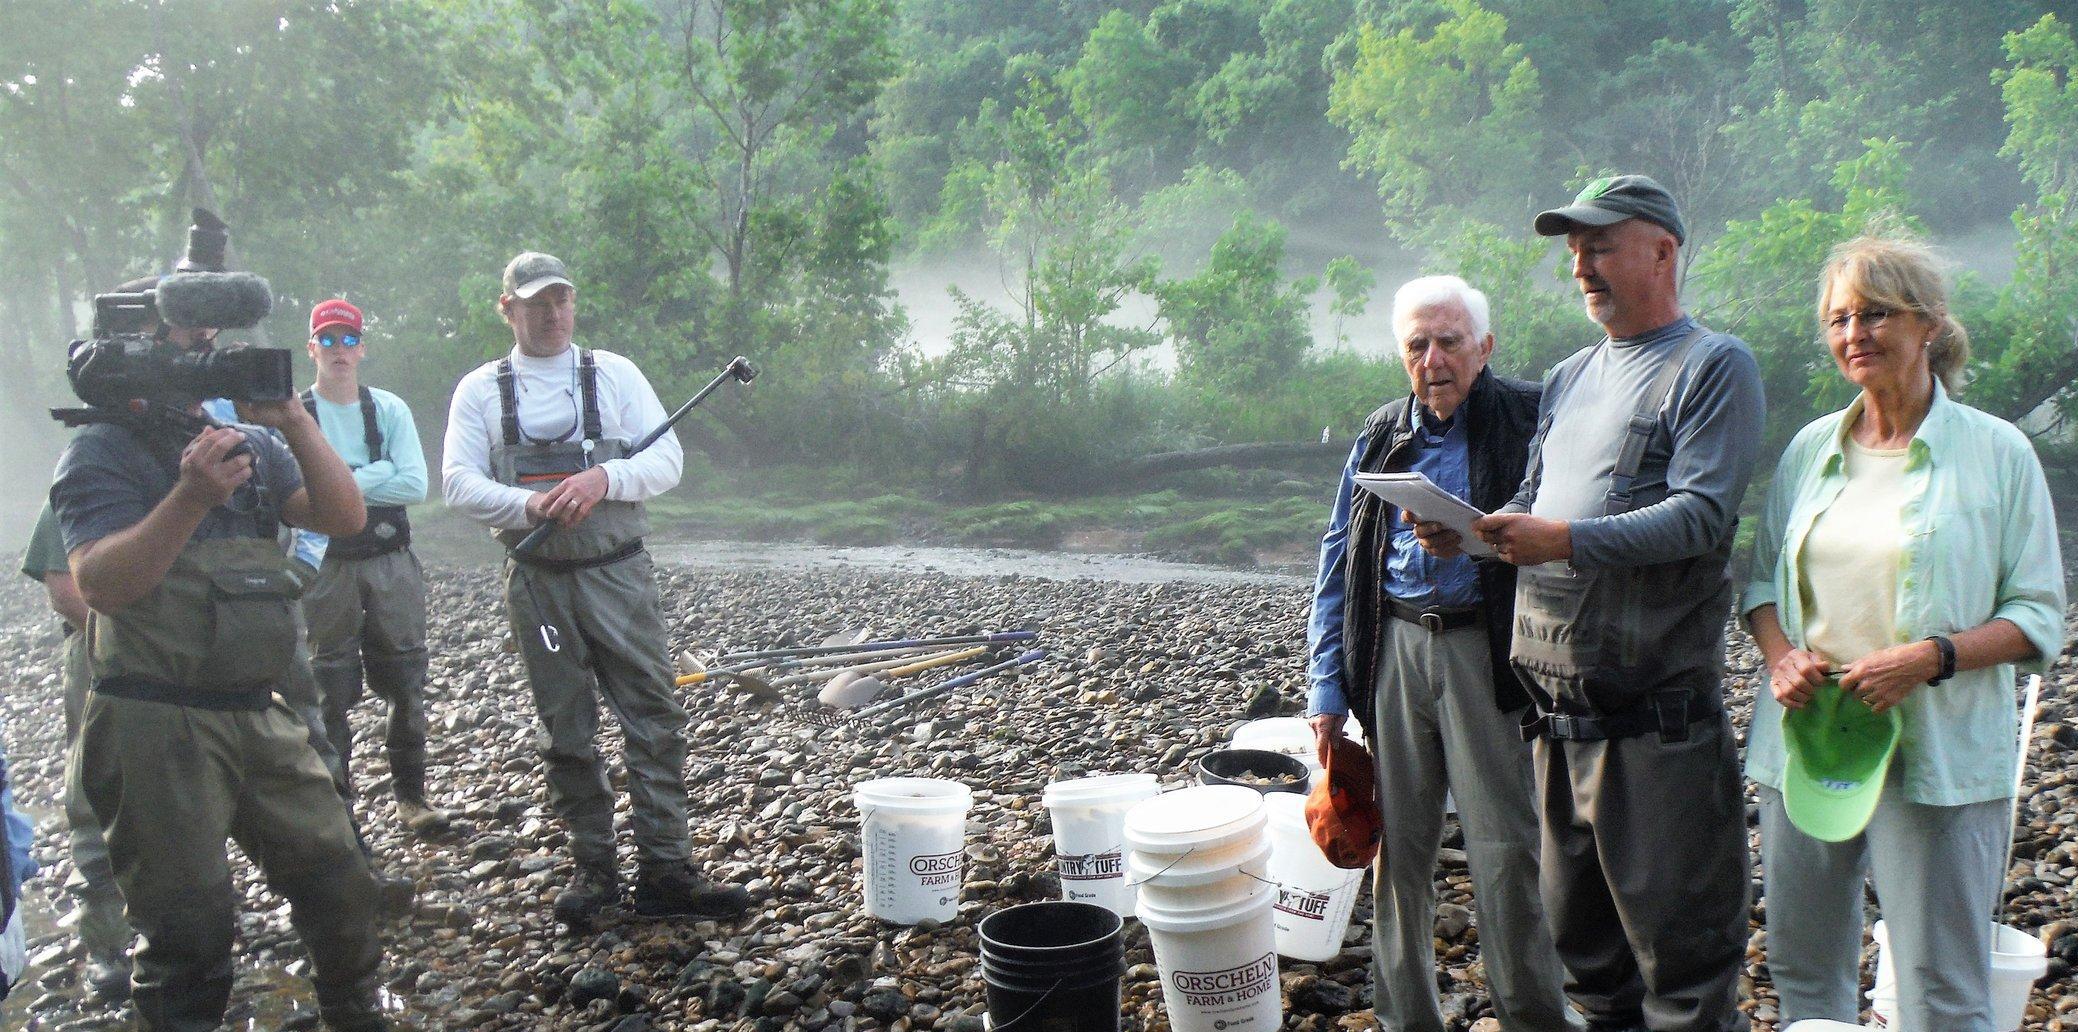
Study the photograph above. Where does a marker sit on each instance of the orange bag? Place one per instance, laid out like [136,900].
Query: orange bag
[1342,811]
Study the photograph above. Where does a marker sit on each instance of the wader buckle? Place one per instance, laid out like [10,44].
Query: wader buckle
[1432,621]
[1672,710]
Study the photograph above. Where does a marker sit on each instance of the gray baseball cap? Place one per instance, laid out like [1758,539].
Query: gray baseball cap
[530,272]
[1612,199]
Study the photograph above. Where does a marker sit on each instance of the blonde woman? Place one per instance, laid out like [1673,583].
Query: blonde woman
[1907,548]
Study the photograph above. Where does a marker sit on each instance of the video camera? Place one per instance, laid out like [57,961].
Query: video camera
[131,373]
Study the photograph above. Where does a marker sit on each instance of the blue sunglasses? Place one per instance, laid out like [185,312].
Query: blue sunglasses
[339,340]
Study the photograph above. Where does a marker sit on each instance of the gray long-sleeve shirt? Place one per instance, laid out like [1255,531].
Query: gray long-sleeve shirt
[1686,497]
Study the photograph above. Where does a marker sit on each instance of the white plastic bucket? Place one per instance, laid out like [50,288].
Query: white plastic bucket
[2017,960]
[913,832]
[1314,897]
[1218,965]
[1089,835]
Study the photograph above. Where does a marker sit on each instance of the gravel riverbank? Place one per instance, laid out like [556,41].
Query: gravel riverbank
[1142,677]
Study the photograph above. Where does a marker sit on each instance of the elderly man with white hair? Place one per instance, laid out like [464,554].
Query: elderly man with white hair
[1417,647]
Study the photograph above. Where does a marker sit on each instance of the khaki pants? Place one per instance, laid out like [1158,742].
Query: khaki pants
[1937,878]
[1645,876]
[611,647]
[1439,731]
[170,784]
[368,616]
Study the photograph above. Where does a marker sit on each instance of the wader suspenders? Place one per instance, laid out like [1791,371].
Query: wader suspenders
[588,401]
[1667,712]
[372,540]
[371,432]
[1630,458]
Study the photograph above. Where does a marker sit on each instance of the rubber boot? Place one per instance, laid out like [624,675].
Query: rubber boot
[680,891]
[351,1008]
[408,781]
[593,885]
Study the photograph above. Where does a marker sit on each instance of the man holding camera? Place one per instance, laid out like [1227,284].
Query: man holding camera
[367,608]
[543,434]
[184,740]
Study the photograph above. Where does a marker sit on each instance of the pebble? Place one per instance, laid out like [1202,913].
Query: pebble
[1150,677]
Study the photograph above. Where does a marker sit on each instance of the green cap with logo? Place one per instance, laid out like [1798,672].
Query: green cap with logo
[1612,199]
[1839,752]
[531,272]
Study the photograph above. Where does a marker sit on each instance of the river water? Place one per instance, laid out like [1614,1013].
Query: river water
[960,562]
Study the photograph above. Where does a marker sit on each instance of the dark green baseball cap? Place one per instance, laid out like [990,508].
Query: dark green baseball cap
[1612,199]
[1839,752]
[529,272]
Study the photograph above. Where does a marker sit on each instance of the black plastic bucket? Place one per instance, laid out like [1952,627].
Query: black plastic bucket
[1053,967]
[1259,769]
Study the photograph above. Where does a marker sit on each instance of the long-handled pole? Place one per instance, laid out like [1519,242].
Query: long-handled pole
[997,638]
[2028,708]
[954,684]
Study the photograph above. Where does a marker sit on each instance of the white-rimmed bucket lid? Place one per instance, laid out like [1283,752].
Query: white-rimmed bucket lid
[1100,790]
[918,796]
[1198,817]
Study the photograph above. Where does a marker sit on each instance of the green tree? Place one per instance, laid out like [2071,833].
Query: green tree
[1238,326]
[2032,354]
[1444,122]
[698,163]
[1350,285]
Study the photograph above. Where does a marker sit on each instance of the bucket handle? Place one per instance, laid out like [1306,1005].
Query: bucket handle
[1185,855]
[1181,857]
[1012,1023]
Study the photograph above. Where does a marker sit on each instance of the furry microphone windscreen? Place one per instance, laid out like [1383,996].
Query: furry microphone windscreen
[214,300]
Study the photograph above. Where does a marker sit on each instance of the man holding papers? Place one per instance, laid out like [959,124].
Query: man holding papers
[1417,647]
[1623,530]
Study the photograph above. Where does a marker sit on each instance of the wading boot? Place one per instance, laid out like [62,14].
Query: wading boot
[592,887]
[421,819]
[396,894]
[682,892]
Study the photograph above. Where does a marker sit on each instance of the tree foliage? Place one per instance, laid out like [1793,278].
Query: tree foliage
[1176,213]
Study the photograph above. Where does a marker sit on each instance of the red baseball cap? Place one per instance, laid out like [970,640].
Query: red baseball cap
[335,313]
[1342,810]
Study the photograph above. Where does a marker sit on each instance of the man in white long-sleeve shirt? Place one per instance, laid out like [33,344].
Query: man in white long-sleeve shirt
[540,435]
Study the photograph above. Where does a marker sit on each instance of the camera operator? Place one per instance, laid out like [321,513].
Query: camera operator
[185,740]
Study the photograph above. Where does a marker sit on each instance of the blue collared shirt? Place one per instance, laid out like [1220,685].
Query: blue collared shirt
[1410,574]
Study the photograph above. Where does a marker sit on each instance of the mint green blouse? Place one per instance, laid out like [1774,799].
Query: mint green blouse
[1980,544]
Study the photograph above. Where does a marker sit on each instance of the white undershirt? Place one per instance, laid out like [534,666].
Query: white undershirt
[548,404]
[1851,558]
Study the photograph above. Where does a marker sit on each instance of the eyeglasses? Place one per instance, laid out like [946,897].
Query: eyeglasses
[339,340]
[1871,319]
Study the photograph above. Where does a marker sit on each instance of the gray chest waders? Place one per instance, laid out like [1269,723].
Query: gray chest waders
[613,531]
[1607,650]
[389,528]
